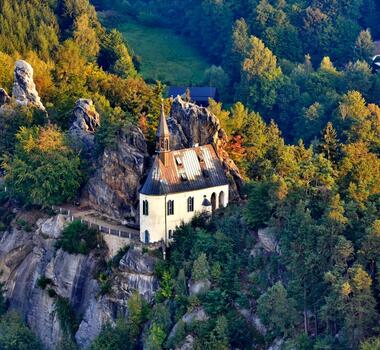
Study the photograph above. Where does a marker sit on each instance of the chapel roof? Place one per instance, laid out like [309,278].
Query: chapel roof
[187,169]
[162,130]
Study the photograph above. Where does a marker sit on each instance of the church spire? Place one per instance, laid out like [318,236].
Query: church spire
[163,138]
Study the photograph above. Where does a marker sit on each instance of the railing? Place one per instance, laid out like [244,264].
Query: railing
[102,228]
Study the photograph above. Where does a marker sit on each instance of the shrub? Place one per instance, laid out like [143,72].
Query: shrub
[43,281]
[77,238]
[52,293]
[66,316]
[24,225]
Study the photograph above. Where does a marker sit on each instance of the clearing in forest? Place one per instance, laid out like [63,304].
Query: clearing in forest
[164,55]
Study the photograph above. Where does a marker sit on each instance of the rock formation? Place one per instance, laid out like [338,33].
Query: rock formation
[24,89]
[114,187]
[4,97]
[85,122]
[26,257]
[192,125]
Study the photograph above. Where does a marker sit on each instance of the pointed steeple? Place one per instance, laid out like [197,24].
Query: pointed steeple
[163,138]
[163,130]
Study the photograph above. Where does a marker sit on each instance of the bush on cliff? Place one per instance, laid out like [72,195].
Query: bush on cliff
[77,238]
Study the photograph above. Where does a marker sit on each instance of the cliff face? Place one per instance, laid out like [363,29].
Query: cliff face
[114,187]
[190,125]
[25,257]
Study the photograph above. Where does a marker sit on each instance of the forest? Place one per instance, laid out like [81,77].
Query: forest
[300,103]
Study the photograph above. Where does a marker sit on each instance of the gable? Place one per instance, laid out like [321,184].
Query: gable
[187,170]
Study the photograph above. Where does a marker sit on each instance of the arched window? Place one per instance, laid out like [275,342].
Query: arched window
[145,207]
[213,202]
[221,200]
[190,204]
[170,207]
[166,145]
[146,236]
[171,234]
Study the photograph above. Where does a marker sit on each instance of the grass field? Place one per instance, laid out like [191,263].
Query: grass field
[164,55]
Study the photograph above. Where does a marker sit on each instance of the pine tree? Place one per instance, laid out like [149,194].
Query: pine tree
[200,268]
[277,310]
[330,146]
[219,336]
[364,46]
[360,305]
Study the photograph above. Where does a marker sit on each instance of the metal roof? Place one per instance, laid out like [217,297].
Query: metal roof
[197,93]
[163,129]
[188,169]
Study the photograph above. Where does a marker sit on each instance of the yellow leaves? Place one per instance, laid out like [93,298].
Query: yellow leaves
[85,36]
[47,139]
[360,279]
[353,106]
[376,228]
[359,282]
[361,169]
[346,289]
[51,139]
[260,61]
[327,65]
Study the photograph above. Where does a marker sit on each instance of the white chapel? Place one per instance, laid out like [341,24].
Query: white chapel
[179,185]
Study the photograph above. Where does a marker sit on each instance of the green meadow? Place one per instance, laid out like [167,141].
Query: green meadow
[164,55]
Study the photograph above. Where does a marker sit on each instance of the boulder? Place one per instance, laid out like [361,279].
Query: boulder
[199,287]
[254,320]
[113,189]
[188,343]
[192,125]
[24,89]
[196,315]
[267,240]
[52,227]
[85,122]
[277,344]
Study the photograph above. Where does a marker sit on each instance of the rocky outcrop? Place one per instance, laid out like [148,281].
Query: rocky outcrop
[196,315]
[24,89]
[267,240]
[137,273]
[85,122]
[4,97]
[28,257]
[254,320]
[188,343]
[114,187]
[192,125]
[199,287]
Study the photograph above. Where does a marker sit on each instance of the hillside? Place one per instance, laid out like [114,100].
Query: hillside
[163,55]
[291,263]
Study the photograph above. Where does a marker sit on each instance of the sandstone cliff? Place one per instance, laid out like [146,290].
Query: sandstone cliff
[114,187]
[85,122]
[24,89]
[190,125]
[26,257]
